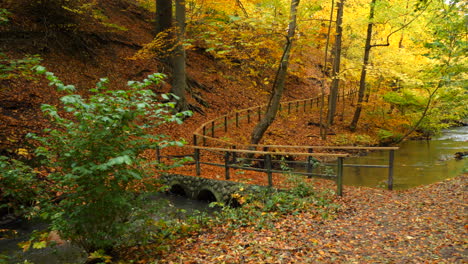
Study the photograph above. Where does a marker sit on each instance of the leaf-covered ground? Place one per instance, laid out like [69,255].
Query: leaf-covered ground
[422,225]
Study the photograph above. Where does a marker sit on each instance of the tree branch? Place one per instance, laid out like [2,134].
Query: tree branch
[399,29]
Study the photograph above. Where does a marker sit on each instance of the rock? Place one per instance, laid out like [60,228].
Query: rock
[461,155]
[55,237]
[9,220]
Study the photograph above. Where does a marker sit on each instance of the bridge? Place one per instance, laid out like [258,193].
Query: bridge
[204,189]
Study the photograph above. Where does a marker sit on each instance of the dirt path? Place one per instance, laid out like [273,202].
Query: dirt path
[423,225]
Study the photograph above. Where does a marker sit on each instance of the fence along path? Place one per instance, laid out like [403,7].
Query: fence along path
[275,159]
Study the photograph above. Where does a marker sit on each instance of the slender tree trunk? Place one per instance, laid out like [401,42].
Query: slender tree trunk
[278,85]
[423,115]
[362,81]
[179,84]
[402,36]
[336,65]
[323,128]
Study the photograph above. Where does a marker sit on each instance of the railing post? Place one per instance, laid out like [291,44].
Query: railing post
[234,154]
[309,163]
[204,136]
[158,154]
[226,165]
[339,176]
[212,129]
[196,156]
[268,169]
[390,169]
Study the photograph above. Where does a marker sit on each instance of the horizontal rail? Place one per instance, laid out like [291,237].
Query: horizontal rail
[359,165]
[298,147]
[313,154]
[365,166]
[324,147]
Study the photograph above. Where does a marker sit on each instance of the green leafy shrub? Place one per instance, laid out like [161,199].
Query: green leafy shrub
[262,206]
[17,68]
[20,186]
[97,151]
[4,16]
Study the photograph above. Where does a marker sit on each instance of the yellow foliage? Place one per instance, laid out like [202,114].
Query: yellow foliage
[159,46]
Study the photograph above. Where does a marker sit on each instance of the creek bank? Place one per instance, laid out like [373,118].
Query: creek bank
[20,230]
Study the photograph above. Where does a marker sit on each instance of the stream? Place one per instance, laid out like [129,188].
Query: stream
[417,162]
[67,253]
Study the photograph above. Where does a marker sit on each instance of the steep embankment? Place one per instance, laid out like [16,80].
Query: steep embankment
[81,48]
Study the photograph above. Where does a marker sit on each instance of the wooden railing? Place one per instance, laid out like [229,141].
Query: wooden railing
[268,158]
[207,131]
[265,161]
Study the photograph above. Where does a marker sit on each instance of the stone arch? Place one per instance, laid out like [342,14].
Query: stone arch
[178,189]
[207,194]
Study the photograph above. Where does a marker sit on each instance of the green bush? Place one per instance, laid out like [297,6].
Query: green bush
[16,68]
[261,206]
[4,16]
[97,151]
[20,186]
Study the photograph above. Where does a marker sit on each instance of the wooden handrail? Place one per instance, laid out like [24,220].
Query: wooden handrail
[210,125]
[299,147]
[316,154]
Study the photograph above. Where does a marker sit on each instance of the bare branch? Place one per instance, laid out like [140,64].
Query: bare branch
[399,29]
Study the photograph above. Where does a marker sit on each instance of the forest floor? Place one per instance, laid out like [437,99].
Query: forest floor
[421,225]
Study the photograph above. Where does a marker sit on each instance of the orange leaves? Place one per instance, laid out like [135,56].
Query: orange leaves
[372,227]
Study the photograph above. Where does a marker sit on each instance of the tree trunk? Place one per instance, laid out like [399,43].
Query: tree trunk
[323,129]
[163,15]
[362,82]
[163,26]
[336,65]
[179,83]
[278,85]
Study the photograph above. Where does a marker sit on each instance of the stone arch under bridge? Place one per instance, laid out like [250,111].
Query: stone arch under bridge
[198,188]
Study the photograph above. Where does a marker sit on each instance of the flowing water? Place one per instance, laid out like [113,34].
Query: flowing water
[67,253]
[417,162]
[51,255]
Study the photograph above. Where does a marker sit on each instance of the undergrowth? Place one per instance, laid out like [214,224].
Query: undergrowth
[261,206]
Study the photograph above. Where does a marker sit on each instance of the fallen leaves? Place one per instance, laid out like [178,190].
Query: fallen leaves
[373,226]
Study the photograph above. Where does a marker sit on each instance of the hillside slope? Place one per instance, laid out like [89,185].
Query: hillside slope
[101,45]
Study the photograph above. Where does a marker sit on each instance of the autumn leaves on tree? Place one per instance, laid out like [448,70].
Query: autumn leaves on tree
[227,29]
